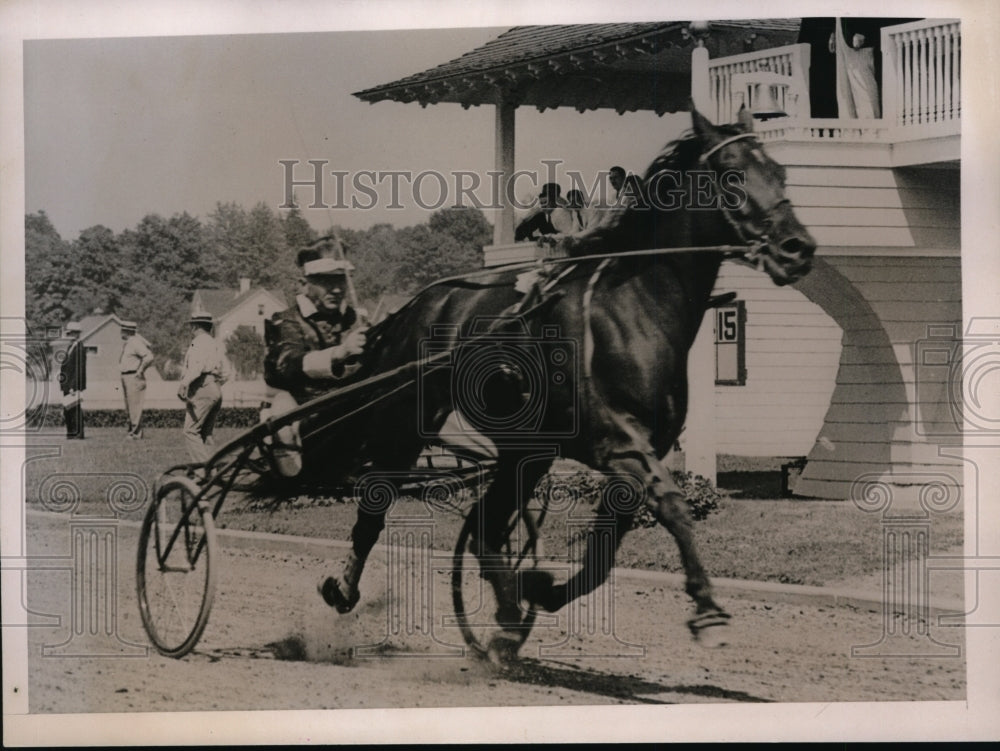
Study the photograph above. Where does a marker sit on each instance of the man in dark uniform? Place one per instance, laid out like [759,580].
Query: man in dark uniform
[73,382]
[309,345]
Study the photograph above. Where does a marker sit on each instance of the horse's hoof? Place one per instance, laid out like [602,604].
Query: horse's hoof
[503,648]
[536,588]
[710,630]
[329,589]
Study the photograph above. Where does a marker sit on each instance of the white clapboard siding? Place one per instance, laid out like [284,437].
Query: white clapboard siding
[914,207]
[885,415]
[792,350]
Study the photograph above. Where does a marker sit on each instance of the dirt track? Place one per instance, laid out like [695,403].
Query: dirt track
[271,644]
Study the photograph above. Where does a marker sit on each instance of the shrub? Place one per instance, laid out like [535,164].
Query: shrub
[702,497]
[229,417]
[585,486]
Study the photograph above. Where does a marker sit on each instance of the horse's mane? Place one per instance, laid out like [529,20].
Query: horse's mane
[683,153]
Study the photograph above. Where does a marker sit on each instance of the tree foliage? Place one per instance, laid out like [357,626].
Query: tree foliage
[149,273]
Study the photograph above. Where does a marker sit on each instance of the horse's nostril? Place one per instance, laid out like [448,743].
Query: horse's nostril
[796,246]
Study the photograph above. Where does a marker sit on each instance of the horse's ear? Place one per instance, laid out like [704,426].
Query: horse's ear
[745,119]
[702,127]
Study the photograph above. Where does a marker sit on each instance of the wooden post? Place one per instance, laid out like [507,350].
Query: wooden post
[700,87]
[890,86]
[503,228]
[698,438]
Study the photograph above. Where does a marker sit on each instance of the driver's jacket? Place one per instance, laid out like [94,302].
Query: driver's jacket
[298,341]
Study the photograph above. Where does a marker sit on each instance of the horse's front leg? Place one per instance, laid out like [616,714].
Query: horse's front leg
[636,477]
[670,508]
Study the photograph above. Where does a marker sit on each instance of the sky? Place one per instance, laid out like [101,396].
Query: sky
[118,128]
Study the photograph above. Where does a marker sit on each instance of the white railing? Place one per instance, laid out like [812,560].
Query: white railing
[921,88]
[821,129]
[921,72]
[791,61]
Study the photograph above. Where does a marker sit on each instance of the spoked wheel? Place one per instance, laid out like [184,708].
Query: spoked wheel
[175,577]
[478,613]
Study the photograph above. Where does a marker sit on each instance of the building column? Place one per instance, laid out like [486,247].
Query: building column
[698,439]
[503,227]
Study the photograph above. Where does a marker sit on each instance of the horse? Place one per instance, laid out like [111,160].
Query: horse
[620,408]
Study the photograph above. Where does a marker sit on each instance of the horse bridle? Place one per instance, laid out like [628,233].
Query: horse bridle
[754,245]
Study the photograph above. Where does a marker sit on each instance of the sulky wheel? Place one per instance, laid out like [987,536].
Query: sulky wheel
[175,578]
[477,610]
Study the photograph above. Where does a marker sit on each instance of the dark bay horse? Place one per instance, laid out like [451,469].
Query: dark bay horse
[619,406]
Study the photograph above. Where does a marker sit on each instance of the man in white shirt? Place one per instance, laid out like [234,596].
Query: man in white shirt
[135,359]
[205,370]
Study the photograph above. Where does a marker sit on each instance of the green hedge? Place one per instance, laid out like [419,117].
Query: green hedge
[229,417]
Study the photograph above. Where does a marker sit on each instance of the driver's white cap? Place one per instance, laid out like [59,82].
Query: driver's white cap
[321,266]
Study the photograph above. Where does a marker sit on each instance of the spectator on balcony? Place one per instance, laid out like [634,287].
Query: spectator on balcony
[579,212]
[857,87]
[550,218]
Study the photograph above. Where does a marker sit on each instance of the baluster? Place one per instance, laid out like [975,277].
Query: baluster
[908,78]
[901,104]
[925,67]
[921,71]
[956,73]
[946,109]
[938,85]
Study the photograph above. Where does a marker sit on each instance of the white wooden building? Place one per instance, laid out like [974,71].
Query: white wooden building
[832,368]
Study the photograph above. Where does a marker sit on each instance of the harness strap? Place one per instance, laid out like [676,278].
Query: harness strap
[588,334]
[723,143]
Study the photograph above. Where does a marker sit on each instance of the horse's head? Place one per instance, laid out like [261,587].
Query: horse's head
[752,198]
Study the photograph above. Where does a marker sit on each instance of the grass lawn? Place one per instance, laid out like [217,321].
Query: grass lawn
[749,537]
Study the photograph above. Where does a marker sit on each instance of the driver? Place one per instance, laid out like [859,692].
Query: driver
[310,344]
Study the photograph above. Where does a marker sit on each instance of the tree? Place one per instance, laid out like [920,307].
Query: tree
[50,275]
[164,261]
[298,233]
[97,256]
[245,350]
[467,226]
[170,250]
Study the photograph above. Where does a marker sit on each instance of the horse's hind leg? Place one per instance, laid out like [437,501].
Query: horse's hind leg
[342,592]
[516,476]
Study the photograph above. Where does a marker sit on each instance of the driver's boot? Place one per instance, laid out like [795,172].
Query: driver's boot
[343,594]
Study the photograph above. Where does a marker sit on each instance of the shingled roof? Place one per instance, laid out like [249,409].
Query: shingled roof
[626,67]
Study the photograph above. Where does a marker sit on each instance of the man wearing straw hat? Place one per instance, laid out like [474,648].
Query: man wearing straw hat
[311,345]
[73,382]
[135,359]
[205,370]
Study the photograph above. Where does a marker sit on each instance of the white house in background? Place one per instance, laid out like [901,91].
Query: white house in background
[231,308]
